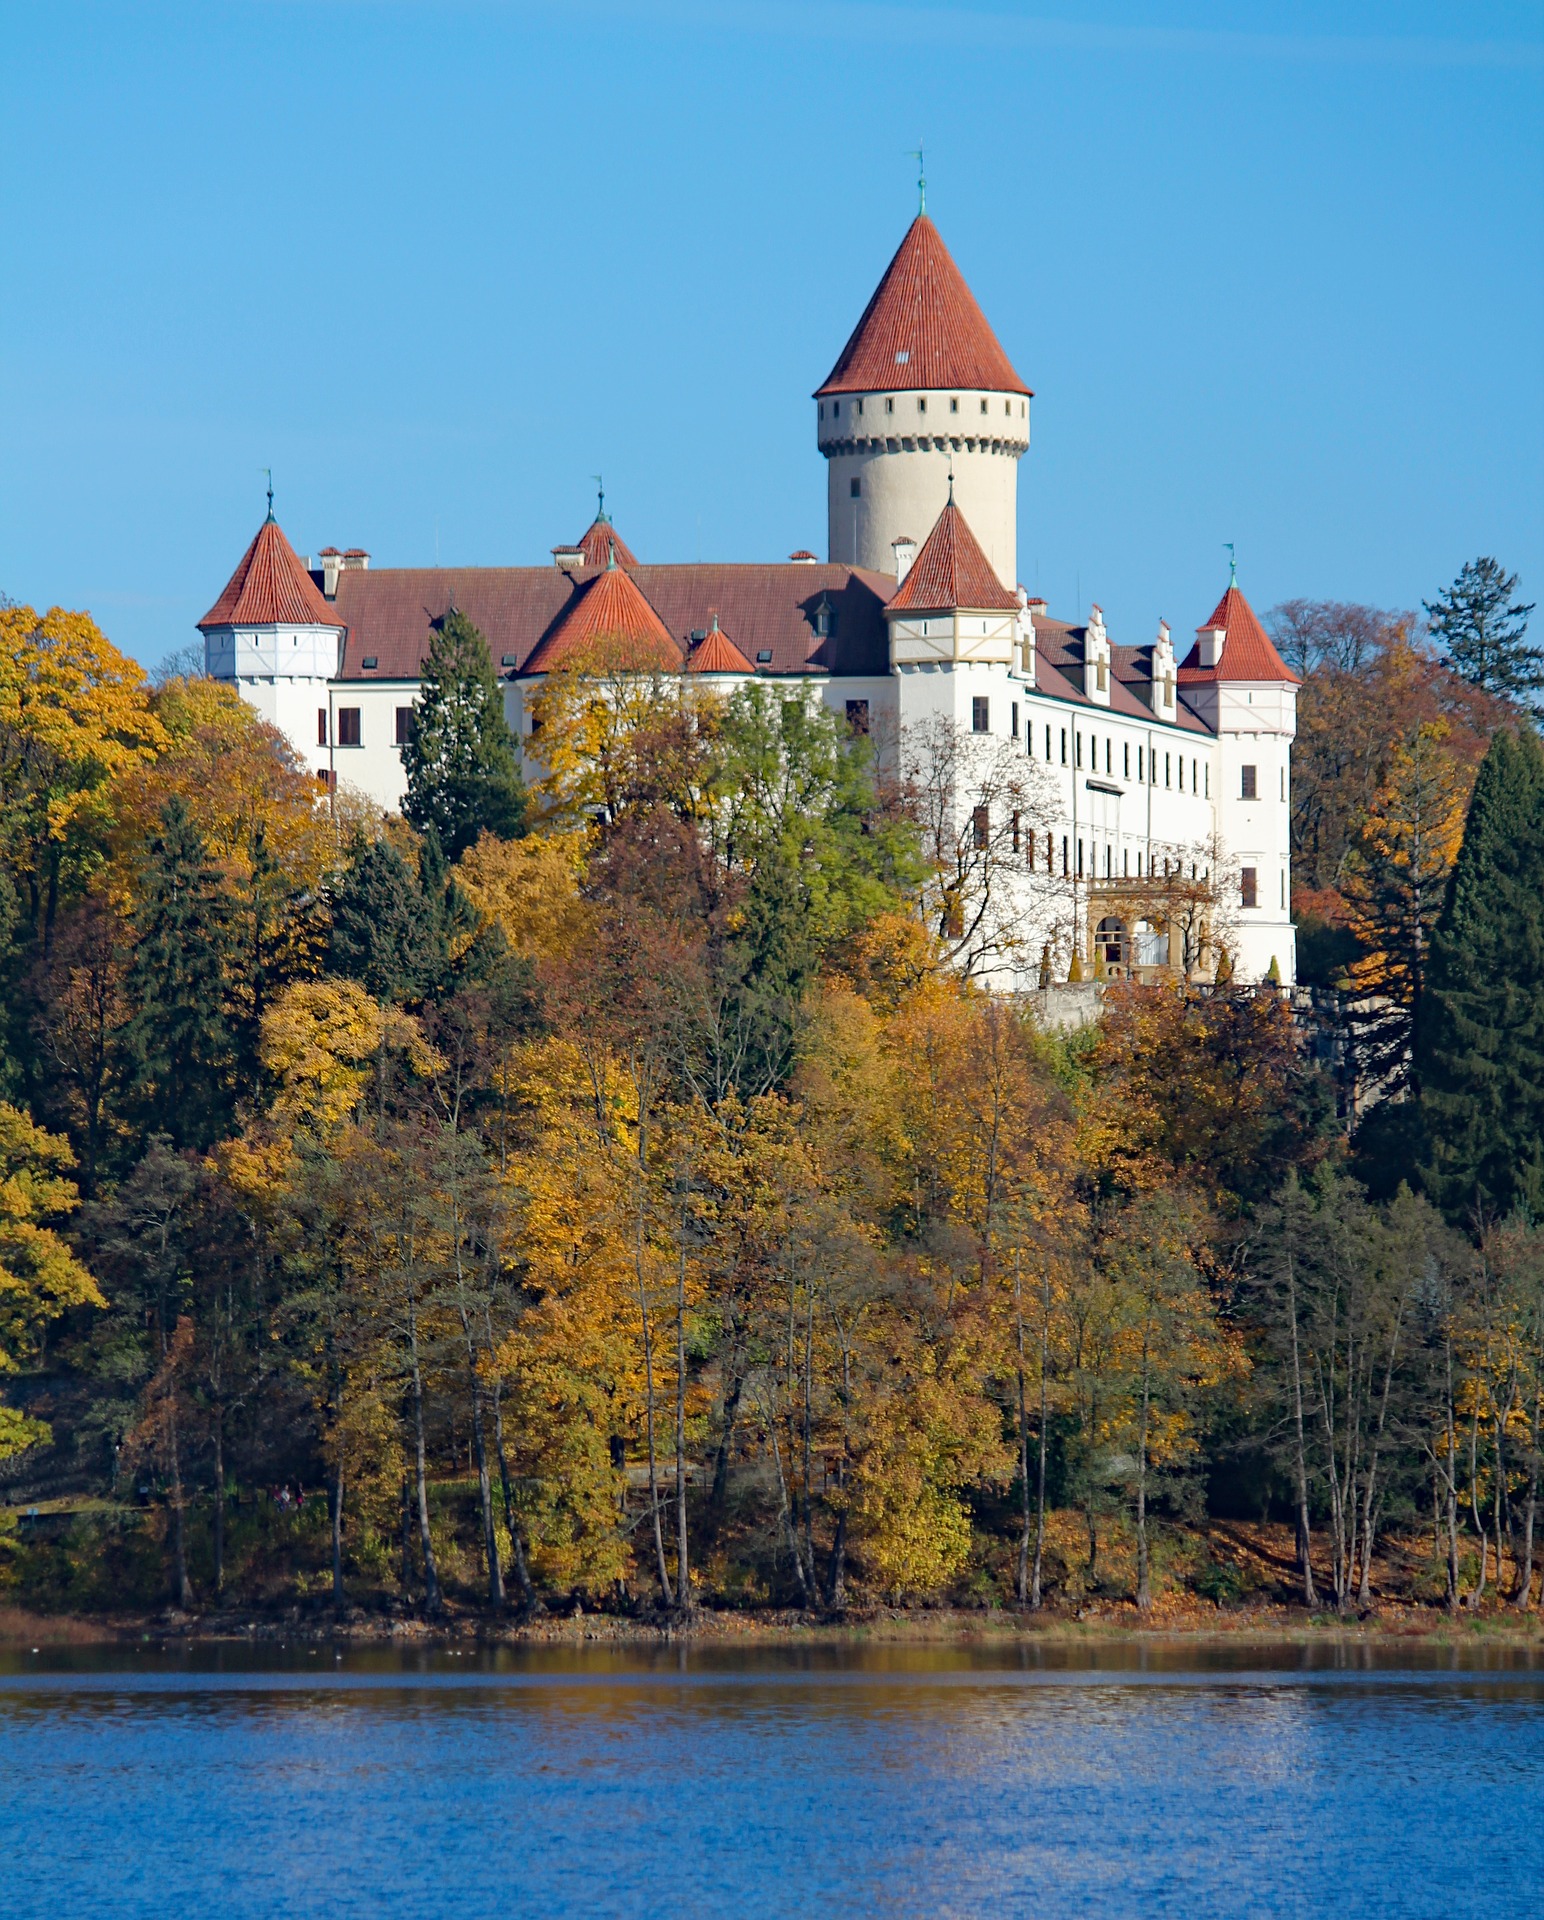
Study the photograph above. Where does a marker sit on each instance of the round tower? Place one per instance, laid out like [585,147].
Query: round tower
[923,389]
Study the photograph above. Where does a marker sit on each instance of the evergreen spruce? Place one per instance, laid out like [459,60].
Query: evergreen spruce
[179,1047]
[463,775]
[1480,1022]
[1485,634]
[389,927]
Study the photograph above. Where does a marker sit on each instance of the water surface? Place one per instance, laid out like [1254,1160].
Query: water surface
[1037,1779]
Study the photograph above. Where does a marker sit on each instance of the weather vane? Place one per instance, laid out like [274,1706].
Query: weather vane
[600,485]
[269,472]
[915,153]
[1232,564]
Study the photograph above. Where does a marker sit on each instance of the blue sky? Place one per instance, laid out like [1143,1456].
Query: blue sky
[1276,276]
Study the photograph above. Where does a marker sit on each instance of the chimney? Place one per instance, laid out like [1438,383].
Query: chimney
[905,550]
[1209,644]
[356,560]
[568,559]
[804,558]
[331,564]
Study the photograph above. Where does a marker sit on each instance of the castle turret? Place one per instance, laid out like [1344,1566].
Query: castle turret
[922,389]
[1239,685]
[273,634]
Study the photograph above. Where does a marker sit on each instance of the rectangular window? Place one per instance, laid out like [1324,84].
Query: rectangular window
[1207,773]
[1125,863]
[1249,887]
[1168,769]
[1139,763]
[980,828]
[1080,859]
[921,403]
[1029,848]
[1250,783]
[983,406]
[858,718]
[1195,778]
[1048,746]
[348,726]
[1064,837]
[856,488]
[1182,773]
[321,726]
[1109,747]
[980,715]
[327,781]
[1015,833]
[1064,746]
[1126,761]
[889,405]
[1015,727]
[954,406]
[404,725]
[1080,749]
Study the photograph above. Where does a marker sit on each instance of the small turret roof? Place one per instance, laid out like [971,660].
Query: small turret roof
[600,540]
[270,588]
[715,652]
[922,328]
[609,610]
[1247,652]
[951,571]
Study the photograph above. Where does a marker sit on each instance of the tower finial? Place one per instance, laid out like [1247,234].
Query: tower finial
[1232,564]
[600,510]
[951,483]
[915,153]
[269,472]
[611,556]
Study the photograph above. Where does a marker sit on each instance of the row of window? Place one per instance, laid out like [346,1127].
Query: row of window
[348,730]
[1147,763]
[954,405]
[1072,858]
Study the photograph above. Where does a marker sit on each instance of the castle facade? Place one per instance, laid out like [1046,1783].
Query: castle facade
[1157,836]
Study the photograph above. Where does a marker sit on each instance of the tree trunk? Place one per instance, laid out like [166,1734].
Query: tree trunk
[1037,1568]
[1523,1598]
[1451,1482]
[181,1586]
[719,1498]
[648,1379]
[1304,1536]
[511,1521]
[219,1500]
[1144,1591]
[683,1565]
[432,1601]
[484,1478]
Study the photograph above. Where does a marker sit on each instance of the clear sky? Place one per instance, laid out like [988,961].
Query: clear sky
[1276,275]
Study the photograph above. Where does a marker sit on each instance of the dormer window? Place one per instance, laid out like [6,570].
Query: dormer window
[764,658]
[507,660]
[823,619]
[903,354]
[370,662]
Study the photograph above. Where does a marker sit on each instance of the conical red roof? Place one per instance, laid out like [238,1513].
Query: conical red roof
[951,571]
[922,328]
[600,538]
[715,652]
[611,614]
[270,588]
[1247,652]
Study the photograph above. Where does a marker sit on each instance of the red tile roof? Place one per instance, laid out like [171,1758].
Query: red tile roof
[717,653]
[951,571]
[270,588]
[600,538]
[772,608]
[1247,653]
[922,329]
[610,613]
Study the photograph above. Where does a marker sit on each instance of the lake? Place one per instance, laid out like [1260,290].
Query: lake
[217,1782]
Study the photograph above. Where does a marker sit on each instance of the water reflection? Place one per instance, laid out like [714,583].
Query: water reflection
[1119,1779]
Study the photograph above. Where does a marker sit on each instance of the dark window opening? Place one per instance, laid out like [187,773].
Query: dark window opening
[856,488]
[405,725]
[1251,783]
[1249,887]
[1014,729]
[1015,833]
[321,726]
[858,717]
[764,658]
[348,726]
[370,660]
[980,714]
[980,827]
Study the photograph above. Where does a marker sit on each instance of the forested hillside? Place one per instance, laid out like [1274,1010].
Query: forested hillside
[613,1193]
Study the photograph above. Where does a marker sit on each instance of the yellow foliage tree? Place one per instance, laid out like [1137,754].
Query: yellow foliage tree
[530,888]
[323,1040]
[40,1278]
[75,716]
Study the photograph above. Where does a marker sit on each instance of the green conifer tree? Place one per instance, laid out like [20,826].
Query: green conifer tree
[1480,1020]
[1485,633]
[388,923]
[179,1047]
[463,774]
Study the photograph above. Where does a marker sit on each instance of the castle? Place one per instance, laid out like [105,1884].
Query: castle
[1150,770]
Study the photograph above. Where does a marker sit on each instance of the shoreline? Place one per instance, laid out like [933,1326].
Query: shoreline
[1108,1627]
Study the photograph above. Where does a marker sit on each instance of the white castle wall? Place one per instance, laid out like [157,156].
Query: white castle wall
[899,449]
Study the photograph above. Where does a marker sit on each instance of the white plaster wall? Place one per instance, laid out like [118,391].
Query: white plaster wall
[901,454]
[1257,726]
